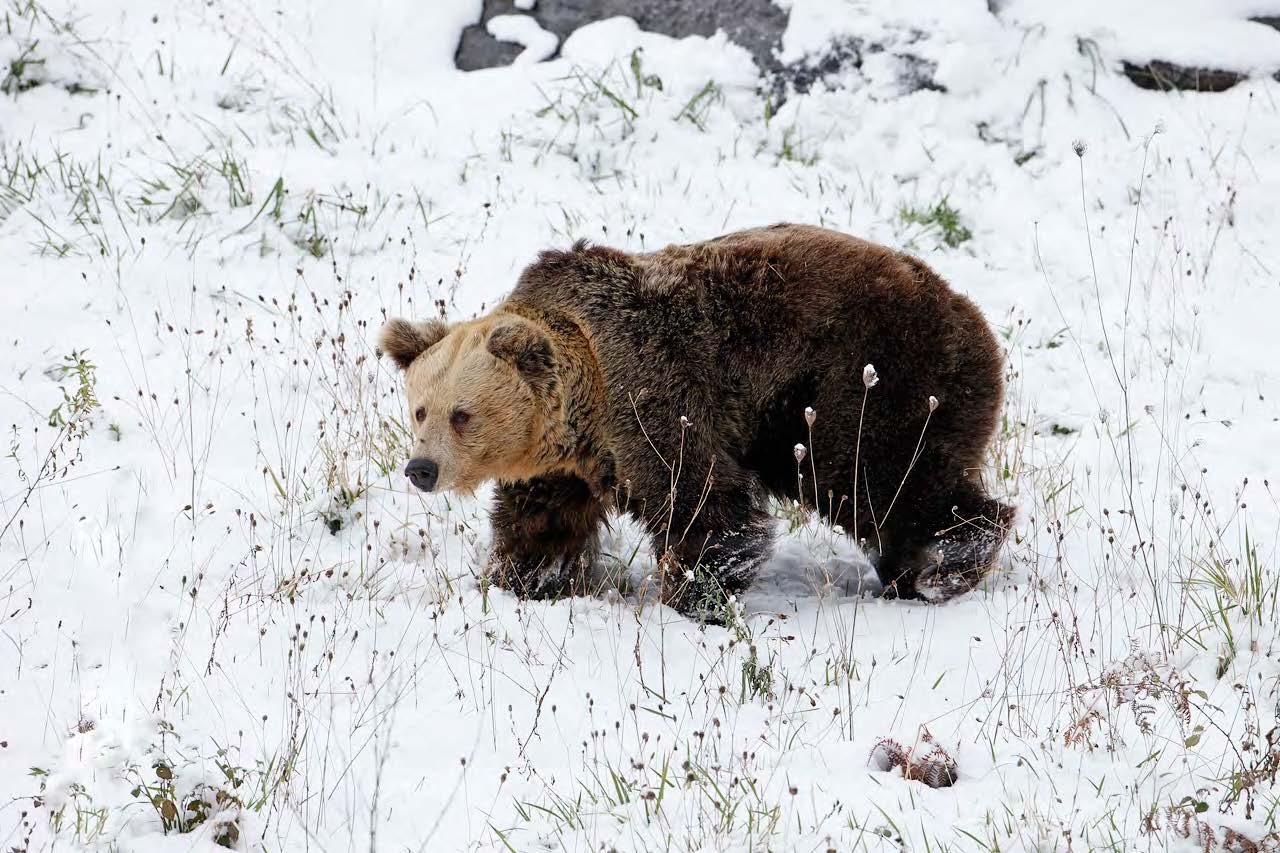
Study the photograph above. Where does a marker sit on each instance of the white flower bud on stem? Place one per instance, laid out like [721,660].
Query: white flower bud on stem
[869,376]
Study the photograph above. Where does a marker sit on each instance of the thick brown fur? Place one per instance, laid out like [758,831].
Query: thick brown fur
[674,386]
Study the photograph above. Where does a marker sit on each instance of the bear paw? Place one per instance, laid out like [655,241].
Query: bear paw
[542,578]
[955,567]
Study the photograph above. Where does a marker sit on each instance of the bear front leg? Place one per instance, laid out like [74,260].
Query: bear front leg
[544,535]
[711,551]
[946,552]
[963,554]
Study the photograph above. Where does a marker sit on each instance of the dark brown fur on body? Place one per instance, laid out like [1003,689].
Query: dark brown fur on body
[682,378]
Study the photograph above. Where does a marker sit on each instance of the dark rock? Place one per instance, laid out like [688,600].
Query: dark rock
[1163,76]
[846,56]
[917,73]
[477,49]
[756,25]
[801,76]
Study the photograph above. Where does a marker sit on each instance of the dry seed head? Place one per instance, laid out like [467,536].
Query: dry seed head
[1079,147]
[933,403]
[869,376]
[685,423]
[810,415]
[799,451]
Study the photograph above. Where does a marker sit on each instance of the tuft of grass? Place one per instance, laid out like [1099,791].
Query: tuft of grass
[698,107]
[643,80]
[21,72]
[792,149]
[38,36]
[940,219]
[183,812]
[80,399]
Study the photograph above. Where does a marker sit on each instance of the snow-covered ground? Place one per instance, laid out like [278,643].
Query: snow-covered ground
[224,617]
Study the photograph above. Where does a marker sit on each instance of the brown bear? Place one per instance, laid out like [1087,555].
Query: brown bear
[673,386]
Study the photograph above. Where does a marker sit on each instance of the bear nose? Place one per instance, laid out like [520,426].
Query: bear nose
[422,473]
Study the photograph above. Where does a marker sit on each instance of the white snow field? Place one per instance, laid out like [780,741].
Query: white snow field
[226,620]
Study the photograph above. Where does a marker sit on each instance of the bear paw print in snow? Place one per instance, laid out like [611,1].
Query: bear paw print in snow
[935,767]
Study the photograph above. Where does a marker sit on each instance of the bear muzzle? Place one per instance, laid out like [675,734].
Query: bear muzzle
[423,473]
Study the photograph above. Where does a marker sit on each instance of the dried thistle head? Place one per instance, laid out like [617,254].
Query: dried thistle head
[933,404]
[799,451]
[810,415]
[869,376]
[1079,147]
[936,768]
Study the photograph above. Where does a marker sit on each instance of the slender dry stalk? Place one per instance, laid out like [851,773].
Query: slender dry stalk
[869,379]
[915,456]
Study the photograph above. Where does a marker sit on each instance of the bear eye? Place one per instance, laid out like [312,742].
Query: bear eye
[420,414]
[459,418]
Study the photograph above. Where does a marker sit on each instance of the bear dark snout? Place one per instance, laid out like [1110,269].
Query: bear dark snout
[423,473]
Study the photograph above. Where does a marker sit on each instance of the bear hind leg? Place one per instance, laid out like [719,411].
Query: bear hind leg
[716,553]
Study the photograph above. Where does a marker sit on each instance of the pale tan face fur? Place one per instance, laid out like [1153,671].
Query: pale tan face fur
[470,412]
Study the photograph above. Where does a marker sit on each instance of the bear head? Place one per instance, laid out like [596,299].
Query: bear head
[483,399]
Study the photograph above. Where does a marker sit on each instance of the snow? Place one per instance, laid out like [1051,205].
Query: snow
[524,30]
[211,567]
[1194,30]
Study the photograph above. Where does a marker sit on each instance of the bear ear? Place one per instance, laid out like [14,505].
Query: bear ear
[526,348]
[405,341]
